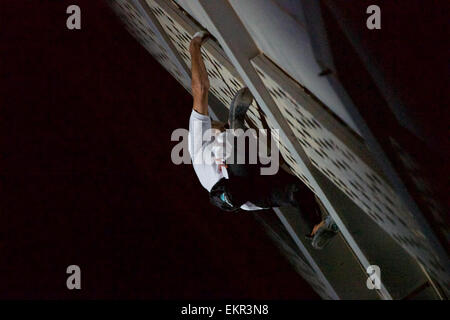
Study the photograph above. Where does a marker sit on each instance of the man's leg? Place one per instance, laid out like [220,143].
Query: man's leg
[279,190]
[240,165]
[245,180]
[238,108]
[245,183]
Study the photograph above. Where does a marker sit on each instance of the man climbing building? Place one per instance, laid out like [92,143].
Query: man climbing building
[232,182]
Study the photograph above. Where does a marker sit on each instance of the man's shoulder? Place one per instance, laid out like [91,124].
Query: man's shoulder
[198,116]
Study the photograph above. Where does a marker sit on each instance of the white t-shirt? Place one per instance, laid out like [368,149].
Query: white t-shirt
[206,151]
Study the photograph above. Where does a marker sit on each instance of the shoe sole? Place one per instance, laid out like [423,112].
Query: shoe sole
[240,104]
[325,233]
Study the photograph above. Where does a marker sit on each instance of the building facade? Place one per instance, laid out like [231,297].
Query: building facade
[279,50]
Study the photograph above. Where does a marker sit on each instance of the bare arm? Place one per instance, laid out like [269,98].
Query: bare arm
[200,82]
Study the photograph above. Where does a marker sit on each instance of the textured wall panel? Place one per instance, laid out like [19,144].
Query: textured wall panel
[180,31]
[298,262]
[343,159]
[137,25]
[223,77]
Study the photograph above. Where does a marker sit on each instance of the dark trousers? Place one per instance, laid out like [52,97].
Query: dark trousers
[266,191]
[246,183]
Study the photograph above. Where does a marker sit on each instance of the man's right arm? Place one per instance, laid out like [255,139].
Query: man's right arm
[200,81]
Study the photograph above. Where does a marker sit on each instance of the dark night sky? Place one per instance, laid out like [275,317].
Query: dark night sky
[86,123]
